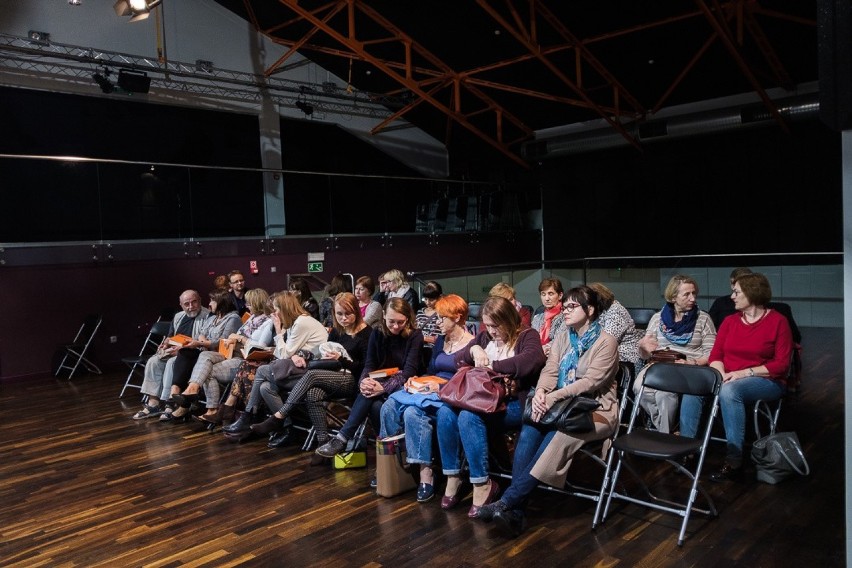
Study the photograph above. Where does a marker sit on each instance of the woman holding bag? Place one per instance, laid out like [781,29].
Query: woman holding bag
[505,347]
[415,413]
[396,344]
[582,361]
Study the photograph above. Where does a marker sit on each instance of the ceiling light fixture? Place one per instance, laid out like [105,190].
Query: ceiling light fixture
[306,108]
[136,9]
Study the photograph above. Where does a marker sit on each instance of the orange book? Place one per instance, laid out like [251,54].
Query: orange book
[255,352]
[383,373]
[424,384]
[180,340]
[246,316]
[226,349]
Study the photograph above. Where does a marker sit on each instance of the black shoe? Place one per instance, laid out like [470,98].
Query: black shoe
[488,511]
[425,492]
[727,473]
[272,425]
[332,447]
[242,424]
[279,439]
[512,521]
[184,400]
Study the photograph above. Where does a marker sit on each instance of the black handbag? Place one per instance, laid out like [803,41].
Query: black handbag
[325,365]
[572,414]
[778,456]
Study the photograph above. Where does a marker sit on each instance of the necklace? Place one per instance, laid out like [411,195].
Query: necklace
[449,344]
[757,319]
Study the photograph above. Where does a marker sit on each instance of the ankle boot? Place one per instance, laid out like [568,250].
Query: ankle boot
[242,424]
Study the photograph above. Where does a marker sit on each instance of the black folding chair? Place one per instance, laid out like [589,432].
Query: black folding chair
[158,331]
[597,451]
[641,443]
[75,352]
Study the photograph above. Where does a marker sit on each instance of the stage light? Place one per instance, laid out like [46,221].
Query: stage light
[102,81]
[133,81]
[306,108]
[137,9]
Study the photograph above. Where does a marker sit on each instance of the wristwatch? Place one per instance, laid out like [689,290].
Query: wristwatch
[751,371]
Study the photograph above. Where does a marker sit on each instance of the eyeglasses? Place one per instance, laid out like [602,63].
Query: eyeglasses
[736,292]
[570,307]
[396,323]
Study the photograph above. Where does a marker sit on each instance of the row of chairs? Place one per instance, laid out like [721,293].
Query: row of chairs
[634,441]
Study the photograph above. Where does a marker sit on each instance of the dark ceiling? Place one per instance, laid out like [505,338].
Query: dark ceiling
[483,75]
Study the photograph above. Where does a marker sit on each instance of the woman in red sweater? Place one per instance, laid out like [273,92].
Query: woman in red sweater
[752,351]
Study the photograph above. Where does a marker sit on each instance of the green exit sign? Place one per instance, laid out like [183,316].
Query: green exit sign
[314,267]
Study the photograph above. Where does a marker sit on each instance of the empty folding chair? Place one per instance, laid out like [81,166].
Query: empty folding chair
[155,336]
[75,352]
[640,443]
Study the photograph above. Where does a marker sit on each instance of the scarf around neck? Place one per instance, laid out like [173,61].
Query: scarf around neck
[544,332]
[679,332]
[577,346]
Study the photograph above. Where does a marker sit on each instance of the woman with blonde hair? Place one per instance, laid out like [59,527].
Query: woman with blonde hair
[392,284]
[316,385]
[505,291]
[679,326]
[297,338]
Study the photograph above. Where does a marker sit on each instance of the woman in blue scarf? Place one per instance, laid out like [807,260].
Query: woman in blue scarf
[680,326]
[583,360]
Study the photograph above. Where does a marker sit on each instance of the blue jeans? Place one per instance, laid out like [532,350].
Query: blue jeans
[733,399]
[418,424]
[459,429]
[531,444]
[361,409]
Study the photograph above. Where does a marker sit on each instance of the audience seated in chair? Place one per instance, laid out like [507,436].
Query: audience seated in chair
[212,368]
[583,360]
[158,369]
[616,321]
[392,284]
[224,321]
[415,413]
[397,344]
[317,385]
[505,291]
[371,310]
[681,327]
[752,352]
[503,345]
[237,282]
[297,340]
[549,322]
[339,283]
[303,291]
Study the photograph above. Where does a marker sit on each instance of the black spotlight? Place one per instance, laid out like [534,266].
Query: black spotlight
[103,82]
[133,81]
[306,108]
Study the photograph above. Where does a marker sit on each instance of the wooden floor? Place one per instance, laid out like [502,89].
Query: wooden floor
[81,484]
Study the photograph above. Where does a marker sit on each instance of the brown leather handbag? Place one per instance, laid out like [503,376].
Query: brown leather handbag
[479,389]
[666,355]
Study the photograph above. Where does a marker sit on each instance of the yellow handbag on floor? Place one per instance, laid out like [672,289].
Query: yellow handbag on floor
[348,460]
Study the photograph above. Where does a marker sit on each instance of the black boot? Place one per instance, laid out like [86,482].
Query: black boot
[242,424]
